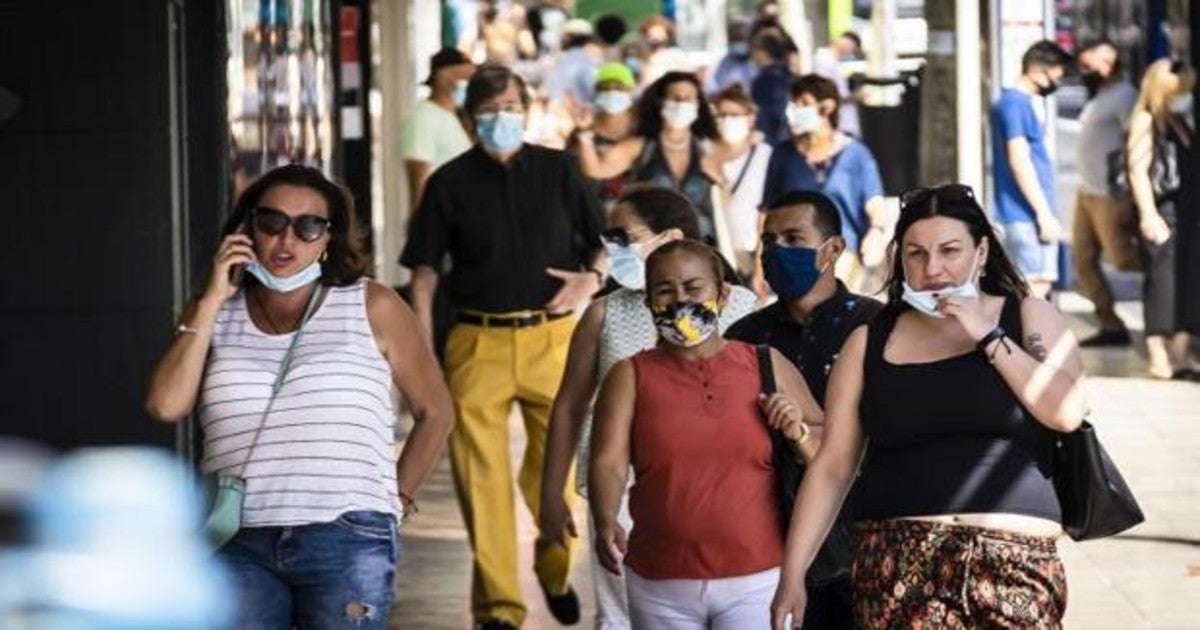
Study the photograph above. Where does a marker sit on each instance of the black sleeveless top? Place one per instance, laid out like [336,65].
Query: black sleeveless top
[651,166]
[949,436]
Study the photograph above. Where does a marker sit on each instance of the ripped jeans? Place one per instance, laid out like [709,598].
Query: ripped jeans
[323,575]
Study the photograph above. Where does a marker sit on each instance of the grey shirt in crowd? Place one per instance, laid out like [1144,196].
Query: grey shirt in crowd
[1102,127]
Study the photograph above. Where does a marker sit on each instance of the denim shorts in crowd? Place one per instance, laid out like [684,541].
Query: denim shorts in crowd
[323,575]
[1034,259]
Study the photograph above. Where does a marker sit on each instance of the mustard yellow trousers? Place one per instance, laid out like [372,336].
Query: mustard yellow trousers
[489,369]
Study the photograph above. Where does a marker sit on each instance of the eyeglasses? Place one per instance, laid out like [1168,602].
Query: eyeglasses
[946,193]
[306,227]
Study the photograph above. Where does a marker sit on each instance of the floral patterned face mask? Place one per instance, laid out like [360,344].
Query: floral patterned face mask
[686,324]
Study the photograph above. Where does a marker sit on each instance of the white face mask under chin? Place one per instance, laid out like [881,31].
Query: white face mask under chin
[926,302]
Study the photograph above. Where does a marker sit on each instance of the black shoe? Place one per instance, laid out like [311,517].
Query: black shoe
[565,607]
[1106,338]
[494,624]
[1186,374]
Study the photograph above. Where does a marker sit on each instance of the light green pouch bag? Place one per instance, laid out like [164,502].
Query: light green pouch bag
[228,492]
[225,493]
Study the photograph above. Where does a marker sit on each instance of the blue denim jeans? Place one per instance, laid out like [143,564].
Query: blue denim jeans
[323,575]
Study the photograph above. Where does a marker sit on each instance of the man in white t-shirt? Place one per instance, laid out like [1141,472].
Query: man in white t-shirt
[1104,219]
[433,133]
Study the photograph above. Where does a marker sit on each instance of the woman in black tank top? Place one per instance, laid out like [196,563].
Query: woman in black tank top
[957,387]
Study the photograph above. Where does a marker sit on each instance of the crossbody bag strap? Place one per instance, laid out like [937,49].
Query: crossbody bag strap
[766,369]
[283,369]
[745,168]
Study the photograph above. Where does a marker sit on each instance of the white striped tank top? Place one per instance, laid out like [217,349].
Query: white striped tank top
[327,446]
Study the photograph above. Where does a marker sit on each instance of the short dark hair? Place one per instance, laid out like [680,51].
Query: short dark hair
[1044,54]
[696,248]
[490,81]
[649,107]
[852,36]
[662,208]
[1093,44]
[346,262]
[999,276]
[736,93]
[610,28]
[826,217]
[820,88]
[772,44]
[771,25]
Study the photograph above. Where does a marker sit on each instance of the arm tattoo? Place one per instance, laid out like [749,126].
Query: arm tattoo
[1037,349]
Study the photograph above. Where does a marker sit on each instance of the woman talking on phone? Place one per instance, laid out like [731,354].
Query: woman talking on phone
[288,358]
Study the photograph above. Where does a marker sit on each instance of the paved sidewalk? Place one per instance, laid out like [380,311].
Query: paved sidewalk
[1148,577]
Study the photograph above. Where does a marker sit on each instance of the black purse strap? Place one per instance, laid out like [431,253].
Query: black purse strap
[766,370]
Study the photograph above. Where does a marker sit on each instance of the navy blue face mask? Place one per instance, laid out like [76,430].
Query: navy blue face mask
[791,271]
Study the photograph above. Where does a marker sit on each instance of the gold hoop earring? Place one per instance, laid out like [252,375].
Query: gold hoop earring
[324,255]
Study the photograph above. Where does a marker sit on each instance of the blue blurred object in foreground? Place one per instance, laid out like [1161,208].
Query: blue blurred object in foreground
[113,542]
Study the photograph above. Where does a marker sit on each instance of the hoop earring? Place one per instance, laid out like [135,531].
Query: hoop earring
[324,256]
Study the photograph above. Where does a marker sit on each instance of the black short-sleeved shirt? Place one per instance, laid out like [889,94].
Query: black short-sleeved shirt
[812,345]
[502,226]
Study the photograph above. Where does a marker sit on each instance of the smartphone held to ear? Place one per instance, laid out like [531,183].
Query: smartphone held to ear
[235,274]
[237,271]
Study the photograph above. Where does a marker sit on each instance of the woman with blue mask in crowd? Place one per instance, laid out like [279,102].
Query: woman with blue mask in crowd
[669,148]
[612,111]
[819,157]
[956,386]
[289,358]
[690,418]
[614,327]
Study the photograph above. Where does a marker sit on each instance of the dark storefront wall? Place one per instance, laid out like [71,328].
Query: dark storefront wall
[100,204]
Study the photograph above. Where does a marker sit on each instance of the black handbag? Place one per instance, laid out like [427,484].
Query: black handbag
[834,558]
[1164,174]
[1095,500]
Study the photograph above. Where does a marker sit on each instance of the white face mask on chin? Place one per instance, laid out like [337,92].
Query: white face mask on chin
[926,302]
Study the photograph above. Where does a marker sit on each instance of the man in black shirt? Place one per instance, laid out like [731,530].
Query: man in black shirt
[522,232]
[801,242]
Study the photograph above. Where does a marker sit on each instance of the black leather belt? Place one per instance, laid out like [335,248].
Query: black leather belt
[520,320]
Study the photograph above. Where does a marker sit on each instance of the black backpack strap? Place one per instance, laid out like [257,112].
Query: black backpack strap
[766,370]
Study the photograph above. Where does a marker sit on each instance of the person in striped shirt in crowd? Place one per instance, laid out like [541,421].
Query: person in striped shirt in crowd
[290,367]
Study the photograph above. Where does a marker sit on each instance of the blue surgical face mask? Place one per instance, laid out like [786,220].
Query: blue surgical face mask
[739,49]
[791,271]
[460,93]
[501,132]
[288,284]
[803,119]
[613,101]
[626,265]
[926,302]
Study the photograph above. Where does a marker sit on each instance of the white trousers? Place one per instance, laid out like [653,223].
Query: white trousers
[612,605]
[736,603]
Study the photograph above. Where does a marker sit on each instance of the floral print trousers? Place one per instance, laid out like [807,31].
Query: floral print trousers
[916,574]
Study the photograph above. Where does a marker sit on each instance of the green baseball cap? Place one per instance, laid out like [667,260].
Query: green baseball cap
[615,71]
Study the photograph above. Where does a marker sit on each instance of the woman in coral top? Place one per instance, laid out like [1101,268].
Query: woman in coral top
[688,415]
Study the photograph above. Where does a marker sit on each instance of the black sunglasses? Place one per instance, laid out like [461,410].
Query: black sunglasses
[306,227]
[946,193]
[616,236]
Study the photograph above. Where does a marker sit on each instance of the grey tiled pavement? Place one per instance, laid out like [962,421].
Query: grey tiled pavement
[1148,577]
